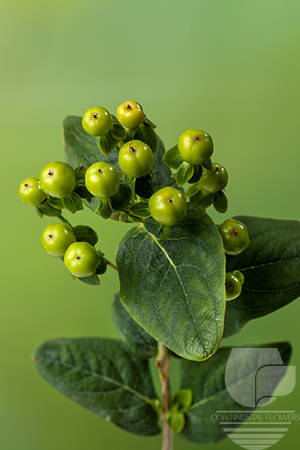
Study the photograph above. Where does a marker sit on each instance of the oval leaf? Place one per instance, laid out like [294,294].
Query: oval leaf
[271,267]
[103,376]
[175,288]
[140,342]
[210,393]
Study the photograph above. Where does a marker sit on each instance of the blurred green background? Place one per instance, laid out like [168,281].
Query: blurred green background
[230,68]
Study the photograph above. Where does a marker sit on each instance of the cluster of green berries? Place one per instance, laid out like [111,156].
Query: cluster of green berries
[131,134]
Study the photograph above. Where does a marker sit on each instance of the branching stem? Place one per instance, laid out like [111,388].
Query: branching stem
[163,364]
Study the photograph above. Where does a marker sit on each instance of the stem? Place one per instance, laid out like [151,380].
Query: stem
[111,265]
[171,182]
[163,364]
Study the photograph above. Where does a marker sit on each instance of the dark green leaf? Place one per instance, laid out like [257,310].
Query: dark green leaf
[45,209]
[172,158]
[197,175]
[102,266]
[175,289]
[271,267]
[95,204]
[73,203]
[103,376]
[148,123]
[182,400]
[202,198]
[140,342]
[211,393]
[83,233]
[55,202]
[140,209]
[184,173]
[148,136]
[107,143]
[208,164]
[121,199]
[220,202]
[80,175]
[81,149]
[158,229]
[93,280]
[175,420]
[193,190]
[144,186]
[117,131]
[105,210]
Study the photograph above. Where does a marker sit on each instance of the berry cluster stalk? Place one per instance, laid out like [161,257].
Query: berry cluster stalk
[163,364]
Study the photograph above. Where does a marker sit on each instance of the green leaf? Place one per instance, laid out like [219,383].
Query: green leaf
[172,158]
[220,202]
[197,175]
[203,198]
[184,173]
[182,400]
[107,143]
[193,190]
[175,420]
[83,193]
[45,209]
[93,280]
[103,376]
[102,266]
[144,186]
[271,267]
[55,202]
[83,233]
[158,229]
[208,165]
[140,209]
[121,199]
[149,137]
[211,393]
[105,210]
[80,175]
[81,149]
[175,288]
[148,123]
[117,130]
[140,342]
[73,203]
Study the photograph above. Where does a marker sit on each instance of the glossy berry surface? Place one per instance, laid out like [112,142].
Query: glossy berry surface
[233,286]
[235,236]
[56,238]
[96,121]
[215,180]
[81,259]
[57,179]
[135,158]
[167,206]
[195,146]
[102,180]
[130,114]
[30,192]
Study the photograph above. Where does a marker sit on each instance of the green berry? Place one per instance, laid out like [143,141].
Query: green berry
[102,180]
[135,158]
[81,259]
[30,192]
[215,180]
[167,206]
[195,146]
[96,121]
[130,114]
[233,286]
[57,179]
[235,236]
[56,238]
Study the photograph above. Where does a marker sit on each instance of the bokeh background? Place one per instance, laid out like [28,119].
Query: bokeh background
[228,67]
